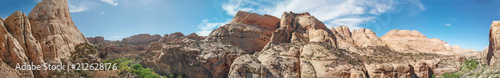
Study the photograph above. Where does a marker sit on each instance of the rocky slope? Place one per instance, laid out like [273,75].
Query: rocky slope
[493,49]
[251,45]
[46,35]
[299,45]
[54,29]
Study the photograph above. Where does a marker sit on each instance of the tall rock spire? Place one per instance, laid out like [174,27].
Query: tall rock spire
[55,31]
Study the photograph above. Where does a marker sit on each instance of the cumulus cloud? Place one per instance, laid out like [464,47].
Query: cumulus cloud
[112,2]
[80,8]
[206,26]
[334,13]
[447,24]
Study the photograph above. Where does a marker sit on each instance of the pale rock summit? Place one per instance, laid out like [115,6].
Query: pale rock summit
[141,39]
[407,41]
[248,31]
[493,55]
[54,29]
[11,51]
[366,38]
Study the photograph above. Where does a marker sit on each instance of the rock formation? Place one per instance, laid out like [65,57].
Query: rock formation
[248,31]
[414,42]
[196,59]
[493,54]
[54,29]
[301,47]
[141,39]
[11,51]
[96,40]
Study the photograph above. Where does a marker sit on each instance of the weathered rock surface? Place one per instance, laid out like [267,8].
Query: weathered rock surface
[96,40]
[251,38]
[195,59]
[366,38]
[176,37]
[414,42]
[18,25]
[141,39]
[11,51]
[263,21]
[301,47]
[302,27]
[248,31]
[344,39]
[54,29]
[493,54]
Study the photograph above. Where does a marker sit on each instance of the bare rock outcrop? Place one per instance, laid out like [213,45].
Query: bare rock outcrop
[264,21]
[344,39]
[366,38]
[18,25]
[248,31]
[301,47]
[96,40]
[141,39]
[11,51]
[302,27]
[493,54]
[414,42]
[54,29]
[195,59]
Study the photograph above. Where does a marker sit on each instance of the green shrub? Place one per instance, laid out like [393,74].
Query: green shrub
[137,66]
[450,75]
[171,76]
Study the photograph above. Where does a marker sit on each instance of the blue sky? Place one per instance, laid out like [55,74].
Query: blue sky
[463,22]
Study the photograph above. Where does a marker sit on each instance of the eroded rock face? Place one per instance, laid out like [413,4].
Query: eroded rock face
[344,39]
[248,31]
[55,31]
[493,54]
[251,38]
[96,40]
[366,38]
[11,51]
[18,25]
[301,47]
[264,21]
[414,42]
[141,39]
[195,59]
[302,27]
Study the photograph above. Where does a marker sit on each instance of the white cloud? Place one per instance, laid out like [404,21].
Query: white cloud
[206,27]
[447,24]
[116,37]
[80,8]
[112,2]
[102,13]
[334,13]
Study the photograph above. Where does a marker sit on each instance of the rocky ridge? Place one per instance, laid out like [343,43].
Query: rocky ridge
[46,35]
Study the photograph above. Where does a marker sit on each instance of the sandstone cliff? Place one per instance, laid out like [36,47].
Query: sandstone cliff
[414,42]
[493,55]
[54,29]
[46,35]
